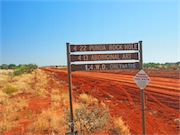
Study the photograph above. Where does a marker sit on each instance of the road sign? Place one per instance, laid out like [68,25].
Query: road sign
[105,66]
[141,79]
[103,47]
[134,49]
[134,53]
[102,57]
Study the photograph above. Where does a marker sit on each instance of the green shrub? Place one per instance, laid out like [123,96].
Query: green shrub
[90,116]
[18,72]
[12,66]
[9,90]
[91,119]
[25,69]
[4,66]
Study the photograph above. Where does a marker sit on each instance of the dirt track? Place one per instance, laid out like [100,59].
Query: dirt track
[123,97]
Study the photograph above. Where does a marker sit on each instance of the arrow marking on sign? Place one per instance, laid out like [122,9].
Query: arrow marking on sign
[75,48]
[79,58]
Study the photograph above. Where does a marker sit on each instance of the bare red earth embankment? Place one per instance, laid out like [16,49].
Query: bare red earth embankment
[122,95]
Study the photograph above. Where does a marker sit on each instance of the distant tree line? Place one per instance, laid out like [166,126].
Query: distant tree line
[20,69]
[166,65]
[14,66]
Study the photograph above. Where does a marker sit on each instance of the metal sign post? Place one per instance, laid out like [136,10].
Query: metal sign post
[70,90]
[142,94]
[142,79]
[143,115]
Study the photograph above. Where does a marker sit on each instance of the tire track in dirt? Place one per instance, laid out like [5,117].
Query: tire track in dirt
[160,83]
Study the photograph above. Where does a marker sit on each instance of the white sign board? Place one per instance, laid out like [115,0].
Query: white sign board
[141,79]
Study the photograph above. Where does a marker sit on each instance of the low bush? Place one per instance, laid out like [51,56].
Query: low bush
[49,121]
[92,119]
[9,90]
[120,128]
[6,125]
[25,69]
[87,99]
[90,116]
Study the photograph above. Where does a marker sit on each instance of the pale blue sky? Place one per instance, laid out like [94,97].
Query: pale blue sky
[37,31]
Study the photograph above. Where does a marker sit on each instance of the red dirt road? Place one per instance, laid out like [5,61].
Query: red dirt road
[122,95]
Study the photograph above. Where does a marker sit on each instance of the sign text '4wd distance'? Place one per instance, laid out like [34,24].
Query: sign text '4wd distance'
[106,66]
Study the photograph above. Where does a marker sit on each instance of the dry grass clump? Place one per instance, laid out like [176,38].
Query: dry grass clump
[35,83]
[55,105]
[49,121]
[22,82]
[59,98]
[40,83]
[5,77]
[9,90]
[15,82]
[88,99]
[3,97]
[119,127]
[41,77]
[55,96]
[9,114]
[55,99]
[64,98]
[9,101]
[13,106]
[6,125]
[6,72]
[41,92]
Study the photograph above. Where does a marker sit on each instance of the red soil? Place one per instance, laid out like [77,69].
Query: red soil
[121,94]
[118,90]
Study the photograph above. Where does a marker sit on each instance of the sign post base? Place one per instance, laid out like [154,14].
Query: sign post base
[72,133]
